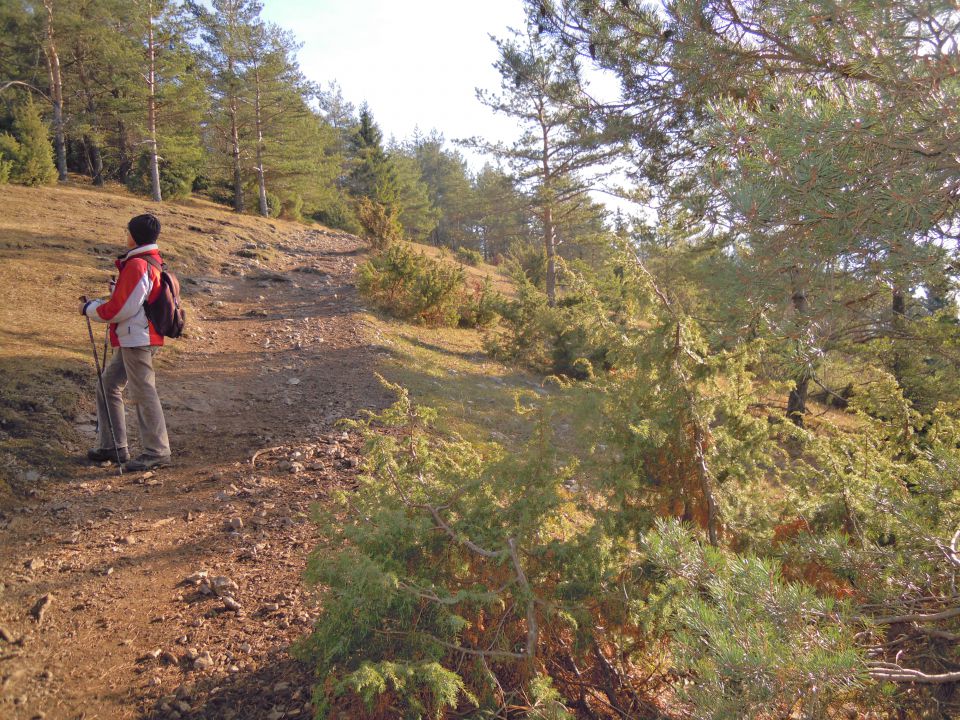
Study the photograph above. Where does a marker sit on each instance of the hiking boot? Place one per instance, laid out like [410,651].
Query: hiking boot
[147,462]
[103,454]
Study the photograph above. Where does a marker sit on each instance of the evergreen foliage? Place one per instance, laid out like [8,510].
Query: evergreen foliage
[26,155]
[411,286]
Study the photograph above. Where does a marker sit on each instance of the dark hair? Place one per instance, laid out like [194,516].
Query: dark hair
[145,229]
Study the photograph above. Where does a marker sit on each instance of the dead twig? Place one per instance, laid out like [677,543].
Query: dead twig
[264,451]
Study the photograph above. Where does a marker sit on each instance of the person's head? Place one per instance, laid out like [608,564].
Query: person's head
[142,230]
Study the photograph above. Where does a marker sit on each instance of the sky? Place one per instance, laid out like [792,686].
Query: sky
[416,63]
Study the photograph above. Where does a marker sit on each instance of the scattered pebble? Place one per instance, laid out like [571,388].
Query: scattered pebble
[230,604]
[40,607]
[203,662]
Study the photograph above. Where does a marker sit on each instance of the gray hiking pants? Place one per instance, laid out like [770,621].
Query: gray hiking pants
[132,366]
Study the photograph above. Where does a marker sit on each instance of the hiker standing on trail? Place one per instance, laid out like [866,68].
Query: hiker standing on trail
[135,341]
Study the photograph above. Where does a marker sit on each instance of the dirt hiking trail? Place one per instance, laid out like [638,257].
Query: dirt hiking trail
[176,594]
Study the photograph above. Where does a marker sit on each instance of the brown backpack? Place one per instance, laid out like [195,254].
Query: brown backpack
[166,313]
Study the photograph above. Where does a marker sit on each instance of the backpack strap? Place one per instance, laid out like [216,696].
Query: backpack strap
[151,260]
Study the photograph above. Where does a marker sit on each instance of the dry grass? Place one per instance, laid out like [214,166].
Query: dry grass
[447,369]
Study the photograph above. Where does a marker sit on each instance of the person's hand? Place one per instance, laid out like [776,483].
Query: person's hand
[83,304]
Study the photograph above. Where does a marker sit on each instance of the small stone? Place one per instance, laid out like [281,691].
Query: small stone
[154,681]
[293,381]
[233,669]
[152,655]
[270,608]
[196,579]
[203,662]
[236,523]
[222,585]
[281,686]
[40,607]
[183,692]
[129,540]
[182,706]
[168,658]
[192,654]
[295,468]
[31,476]
[147,475]
[35,564]
[230,604]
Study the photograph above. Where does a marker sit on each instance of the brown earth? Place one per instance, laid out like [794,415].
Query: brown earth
[275,355]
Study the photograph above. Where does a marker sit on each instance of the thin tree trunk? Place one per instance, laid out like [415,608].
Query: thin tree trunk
[264,208]
[237,174]
[797,400]
[152,114]
[549,242]
[56,94]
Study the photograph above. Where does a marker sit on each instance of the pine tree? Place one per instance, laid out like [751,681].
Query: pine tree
[558,156]
[418,215]
[372,175]
[448,182]
[227,28]
[27,153]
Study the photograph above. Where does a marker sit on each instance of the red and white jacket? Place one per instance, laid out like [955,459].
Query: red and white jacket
[139,283]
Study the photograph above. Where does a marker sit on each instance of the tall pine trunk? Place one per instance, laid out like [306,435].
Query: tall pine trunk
[238,204]
[152,113]
[549,236]
[264,208]
[56,94]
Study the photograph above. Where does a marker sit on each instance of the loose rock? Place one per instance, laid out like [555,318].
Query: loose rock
[40,608]
[230,604]
[203,662]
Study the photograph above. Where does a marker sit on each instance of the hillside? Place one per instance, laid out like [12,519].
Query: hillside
[279,348]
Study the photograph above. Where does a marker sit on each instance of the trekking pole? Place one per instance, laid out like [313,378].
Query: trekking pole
[103,392]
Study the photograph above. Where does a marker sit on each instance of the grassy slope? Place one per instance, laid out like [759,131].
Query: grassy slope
[57,243]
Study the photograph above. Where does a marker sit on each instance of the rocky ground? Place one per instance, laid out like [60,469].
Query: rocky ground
[177,593]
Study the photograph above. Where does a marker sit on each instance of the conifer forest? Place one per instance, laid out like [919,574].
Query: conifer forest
[664,412]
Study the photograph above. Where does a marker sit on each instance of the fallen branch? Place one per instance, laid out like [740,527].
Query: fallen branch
[264,451]
[889,671]
[919,617]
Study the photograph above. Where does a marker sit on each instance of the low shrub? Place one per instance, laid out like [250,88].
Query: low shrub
[411,286]
[414,287]
[381,224]
[559,340]
[336,213]
[469,257]
[481,304]
[176,179]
